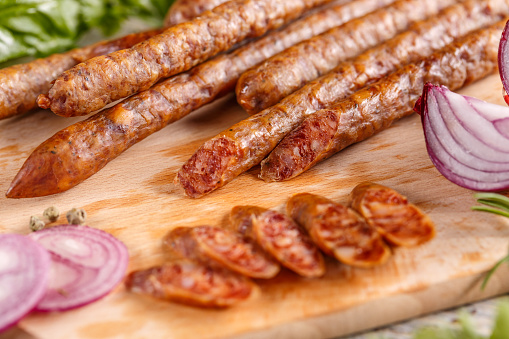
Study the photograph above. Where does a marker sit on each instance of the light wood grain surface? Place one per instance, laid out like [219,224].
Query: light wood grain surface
[134,199]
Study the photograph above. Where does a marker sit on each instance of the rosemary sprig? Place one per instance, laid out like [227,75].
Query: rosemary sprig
[496,204]
[499,204]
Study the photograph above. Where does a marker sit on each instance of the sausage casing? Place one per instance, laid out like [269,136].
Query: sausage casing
[217,247]
[281,237]
[266,84]
[398,221]
[192,284]
[245,144]
[185,10]
[338,230]
[91,85]
[376,107]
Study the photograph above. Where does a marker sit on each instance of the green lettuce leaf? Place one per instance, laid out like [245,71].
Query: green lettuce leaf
[42,27]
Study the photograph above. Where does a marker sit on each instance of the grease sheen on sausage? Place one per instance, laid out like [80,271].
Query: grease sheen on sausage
[338,231]
[192,284]
[266,84]
[93,84]
[217,247]
[281,237]
[245,144]
[185,10]
[80,150]
[377,106]
[399,222]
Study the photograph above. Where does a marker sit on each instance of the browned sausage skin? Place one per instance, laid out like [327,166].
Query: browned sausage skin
[266,84]
[80,150]
[91,85]
[217,247]
[281,237]
[192,284]
[245,144]
[398,221]
[21,84]
[185,10]
[375,107]
[338,230]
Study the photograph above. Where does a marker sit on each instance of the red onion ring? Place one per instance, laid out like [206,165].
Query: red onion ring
[24,276]
[87,264]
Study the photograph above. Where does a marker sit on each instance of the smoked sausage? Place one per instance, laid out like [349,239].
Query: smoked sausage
[376,107]
[91,85]
[266,84]
[218,247]
[390,213]
[281,237]
[192,284]
[338,230]
[245,144]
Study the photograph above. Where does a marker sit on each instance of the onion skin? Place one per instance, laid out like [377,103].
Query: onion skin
[503,61]
[467,139]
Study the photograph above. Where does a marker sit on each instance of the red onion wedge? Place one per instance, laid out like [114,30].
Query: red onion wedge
[87,263]
[24,276]
[467,138]
[503,60]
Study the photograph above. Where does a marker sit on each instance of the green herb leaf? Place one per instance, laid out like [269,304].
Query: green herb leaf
[492,270]
[496,204]
[42,27]
[494,200]
[501,326]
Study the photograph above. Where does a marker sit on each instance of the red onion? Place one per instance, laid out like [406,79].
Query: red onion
[24,275]
[87,263]
[503,59]
[467,138]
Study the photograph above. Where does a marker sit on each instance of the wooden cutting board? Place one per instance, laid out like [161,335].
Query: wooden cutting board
[134,199]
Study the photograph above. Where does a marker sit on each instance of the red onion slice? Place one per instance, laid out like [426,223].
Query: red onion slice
[87,264]
[503,59]
[24,276]
[467,139]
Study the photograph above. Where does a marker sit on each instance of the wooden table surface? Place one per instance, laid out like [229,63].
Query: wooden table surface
[134,199]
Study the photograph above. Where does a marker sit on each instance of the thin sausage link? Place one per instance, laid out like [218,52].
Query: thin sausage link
[217,247]
[185,10]
[21,84]
[281,237]
[375,107]
[91,85]
[284,73]
[338,230]
[390,213]
[246,143]
[80,150]
[192,284]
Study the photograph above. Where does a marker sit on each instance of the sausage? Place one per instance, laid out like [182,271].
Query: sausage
[245,144]
[338,231]
[281,237]
[21,84]
[80,150]
[185,10]
[375,107]
[91,85]
[398,221]
[268,83]
[217,247]
[192,284]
